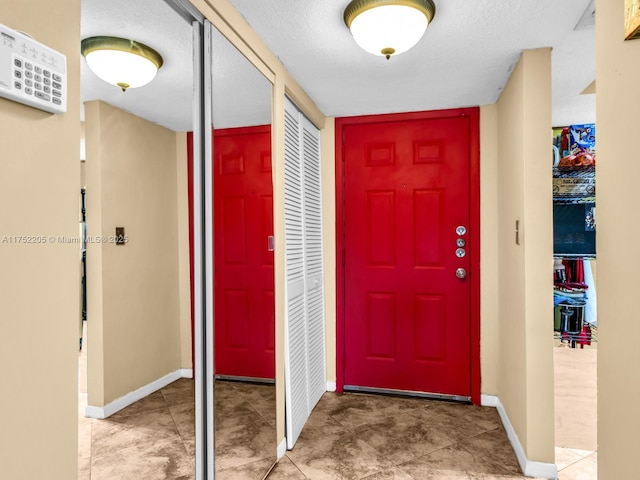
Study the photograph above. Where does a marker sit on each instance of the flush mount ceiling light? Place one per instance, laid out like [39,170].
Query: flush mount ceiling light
[388,27]
[121,62]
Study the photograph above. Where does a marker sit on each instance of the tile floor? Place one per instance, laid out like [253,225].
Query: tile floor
[350,436]
[576,412]
[358,436]
[155,437]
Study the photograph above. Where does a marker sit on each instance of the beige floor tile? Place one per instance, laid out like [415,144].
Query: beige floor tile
[459,421]
[404,437]
[456,461]
[585,469]
[184,416]
[131,430]
[584,453]
[340,456]
[261,397]
[164,459]
[568,456]
[238,413]
[576,398]
[494,446]
[84,468]
[352,410]
[393,474]
[285,469]
[250,471]
[242,444]
[180,392]
[152,402]
[84,441]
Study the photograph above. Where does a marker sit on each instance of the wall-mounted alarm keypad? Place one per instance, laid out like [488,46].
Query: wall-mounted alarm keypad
[32,73]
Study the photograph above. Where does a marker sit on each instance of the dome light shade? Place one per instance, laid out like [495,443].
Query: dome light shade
[121,62]
[388,27]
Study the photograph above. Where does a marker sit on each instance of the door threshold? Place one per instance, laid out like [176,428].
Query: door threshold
[408,393]
[233,378]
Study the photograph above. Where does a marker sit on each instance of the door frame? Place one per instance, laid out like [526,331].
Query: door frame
[474,230]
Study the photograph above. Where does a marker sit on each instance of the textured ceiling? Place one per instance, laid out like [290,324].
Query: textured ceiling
[464,59]
[167,99]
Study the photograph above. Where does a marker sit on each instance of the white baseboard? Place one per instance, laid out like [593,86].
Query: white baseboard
[331,385]
[186,372]
[529,467]
[282,448]
[489,400]
[132,397]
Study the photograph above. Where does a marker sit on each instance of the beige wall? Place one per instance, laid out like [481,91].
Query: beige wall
[618,70]
[184,260]
[525,293]
[328,180]
[39,283]
[133,300]
[489,311]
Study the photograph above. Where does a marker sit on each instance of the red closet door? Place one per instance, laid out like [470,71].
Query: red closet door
[244,283]
[407,314]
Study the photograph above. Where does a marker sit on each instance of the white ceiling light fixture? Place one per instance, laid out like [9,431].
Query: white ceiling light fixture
[388,27]
[121,62]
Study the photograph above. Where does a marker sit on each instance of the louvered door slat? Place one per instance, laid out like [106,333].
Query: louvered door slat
[305,364]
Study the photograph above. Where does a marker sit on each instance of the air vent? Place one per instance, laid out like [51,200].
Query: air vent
[588,18]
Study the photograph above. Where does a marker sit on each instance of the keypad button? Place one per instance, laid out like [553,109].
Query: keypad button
[28,66]
[57,77]
[57,85]
[18,85]
[28,74]
[57,101]
[47,73]
[28,90]
[56,93]
[38,86]
[17,62]
[43,96]
[28,83]
[38,69]
[38,78]
[17,74]
[46,81]
[47,89]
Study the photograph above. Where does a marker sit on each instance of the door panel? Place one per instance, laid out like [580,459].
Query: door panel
[407,315]
[245,310]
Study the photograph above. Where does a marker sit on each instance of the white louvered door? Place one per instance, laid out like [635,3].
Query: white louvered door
[305,366]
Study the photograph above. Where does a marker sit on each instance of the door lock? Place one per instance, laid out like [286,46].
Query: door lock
[461,273]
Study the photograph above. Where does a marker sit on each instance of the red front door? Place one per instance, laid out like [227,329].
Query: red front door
[407,314]
[243,221]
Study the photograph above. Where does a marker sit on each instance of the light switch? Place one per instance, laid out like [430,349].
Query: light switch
[120,238]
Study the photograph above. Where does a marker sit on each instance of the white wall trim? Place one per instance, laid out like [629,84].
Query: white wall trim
[131,397]
[489,400]
[282,448]
[529,467]
[186,372]
[331,385]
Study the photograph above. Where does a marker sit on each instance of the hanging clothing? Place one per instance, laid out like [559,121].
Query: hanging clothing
[591,308]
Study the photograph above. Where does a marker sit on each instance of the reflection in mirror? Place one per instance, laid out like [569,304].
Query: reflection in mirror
[245,410]
[138,340]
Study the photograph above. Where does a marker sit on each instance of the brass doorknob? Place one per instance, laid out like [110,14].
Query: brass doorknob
[461,273]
